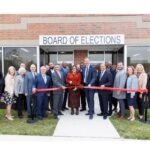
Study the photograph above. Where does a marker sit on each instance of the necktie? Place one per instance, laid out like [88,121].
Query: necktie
[86,74]
[44,77]
[101,75]
[59,75]
[33,75]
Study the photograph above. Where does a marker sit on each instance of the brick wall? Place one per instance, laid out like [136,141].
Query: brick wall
[31,31]
[79,56]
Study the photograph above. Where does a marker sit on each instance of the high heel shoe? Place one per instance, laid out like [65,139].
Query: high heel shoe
[9,118]
[132,119]
[129,118]
[77,111]
[72,111]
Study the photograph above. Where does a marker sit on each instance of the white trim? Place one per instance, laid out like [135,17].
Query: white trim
[2,61]
[38,58]
[125,56]
[130,45]
[19,46]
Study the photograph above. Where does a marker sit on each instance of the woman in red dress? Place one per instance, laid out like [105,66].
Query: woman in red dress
[74,79]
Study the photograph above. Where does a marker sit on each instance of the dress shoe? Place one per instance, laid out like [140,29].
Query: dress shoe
[141,119]
[91,117]
[104,117]
[63,109]
[87,114]
[83,109]
[20,116]
[66,108]
[29,116]
[109,114]
[55,117]
[45,116]
[121,117]
[60,113]
[48,109]
[101,114]
[114,109]
[39,118]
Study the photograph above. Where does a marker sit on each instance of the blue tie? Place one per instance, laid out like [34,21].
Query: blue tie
[101,75]
[86,75]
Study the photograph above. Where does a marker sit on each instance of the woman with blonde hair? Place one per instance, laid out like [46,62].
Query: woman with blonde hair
[9,91]
[132,84]
[142,82]
[20,90]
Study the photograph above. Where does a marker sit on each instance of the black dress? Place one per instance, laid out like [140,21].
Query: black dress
[2,84]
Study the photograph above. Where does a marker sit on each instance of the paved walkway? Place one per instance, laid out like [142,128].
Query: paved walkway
[81,126]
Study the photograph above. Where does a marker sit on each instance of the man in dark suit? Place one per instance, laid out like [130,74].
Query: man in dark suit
[65,70]
[50,99]
[89,76]
[104,79]
[82,91]
[112,100]
[58,82]
[42,81]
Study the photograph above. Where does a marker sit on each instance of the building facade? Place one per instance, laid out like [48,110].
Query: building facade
[40,39]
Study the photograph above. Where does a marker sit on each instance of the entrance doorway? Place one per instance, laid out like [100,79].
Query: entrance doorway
[75,54]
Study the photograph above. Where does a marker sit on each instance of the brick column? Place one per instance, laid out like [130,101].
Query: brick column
[79,56]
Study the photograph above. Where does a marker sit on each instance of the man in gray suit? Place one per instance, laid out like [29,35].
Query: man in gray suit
[28,83]
[58,82]
[119,82]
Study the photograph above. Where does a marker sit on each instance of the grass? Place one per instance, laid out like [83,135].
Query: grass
[45,127]
[131,130]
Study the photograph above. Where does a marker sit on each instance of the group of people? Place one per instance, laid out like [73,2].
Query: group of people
[75,85]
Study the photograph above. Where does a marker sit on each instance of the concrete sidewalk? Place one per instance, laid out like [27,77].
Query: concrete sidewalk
[81,126]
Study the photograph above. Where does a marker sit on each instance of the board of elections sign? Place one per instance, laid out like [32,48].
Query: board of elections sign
[110,39]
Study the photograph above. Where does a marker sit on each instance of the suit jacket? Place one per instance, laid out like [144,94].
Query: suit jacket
[119,82]
[113,72]
[106,79]
[40,84]
[92,74]
[29,81]
[19,85]
[58,82]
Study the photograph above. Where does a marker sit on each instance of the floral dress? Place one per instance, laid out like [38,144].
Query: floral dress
[9,97]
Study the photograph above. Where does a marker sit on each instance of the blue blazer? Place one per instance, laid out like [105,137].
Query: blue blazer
[40,84]
[29,81]
[107,79]
[92,74]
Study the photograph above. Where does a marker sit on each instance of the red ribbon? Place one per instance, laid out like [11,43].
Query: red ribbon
[94,87]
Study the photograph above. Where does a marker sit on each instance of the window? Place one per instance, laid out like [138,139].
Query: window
[66,56]
[96,56]
[16,55]
[139,55]
[0,59]
[108,56]
[53,57]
